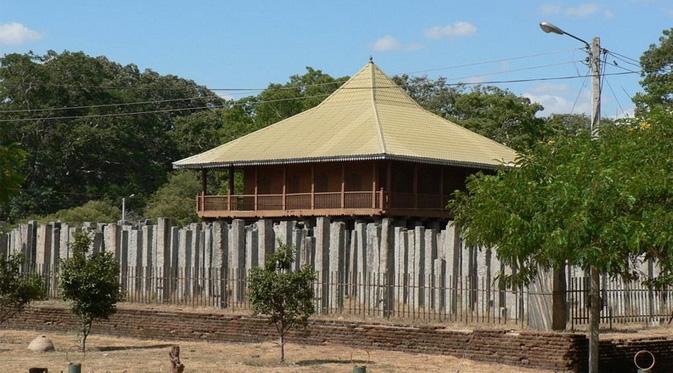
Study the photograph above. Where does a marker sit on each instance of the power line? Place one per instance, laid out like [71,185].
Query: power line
[317,84]
[206,97]
[490,61]
[107,115]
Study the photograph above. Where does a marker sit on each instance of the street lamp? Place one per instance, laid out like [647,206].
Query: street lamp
[124,207]
[594,50]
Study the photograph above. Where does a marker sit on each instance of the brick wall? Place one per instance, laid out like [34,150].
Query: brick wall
[554,351]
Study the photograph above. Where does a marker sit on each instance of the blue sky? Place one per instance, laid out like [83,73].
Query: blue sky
[247,44]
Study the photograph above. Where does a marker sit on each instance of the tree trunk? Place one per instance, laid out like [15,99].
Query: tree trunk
[594,319]
[559,305]
[86,329]
[282,347]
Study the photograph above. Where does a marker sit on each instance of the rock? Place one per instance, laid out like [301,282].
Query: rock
[41,344]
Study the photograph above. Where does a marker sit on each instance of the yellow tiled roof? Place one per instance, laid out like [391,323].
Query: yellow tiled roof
[368,117]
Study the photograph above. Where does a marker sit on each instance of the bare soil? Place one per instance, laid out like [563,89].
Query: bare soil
[112,354]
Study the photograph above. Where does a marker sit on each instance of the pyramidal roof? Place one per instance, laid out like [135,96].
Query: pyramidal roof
[368,117]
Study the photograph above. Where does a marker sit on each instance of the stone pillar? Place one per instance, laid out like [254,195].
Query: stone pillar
[251,248]
[419,265]
[321,231]
[387,265]
[220,260]
[163,257]
[284,232]
[265,240]
[298,241]
[147,260]
[124,258]
[336,264]
[308,251]
[135,253]
[43,248]
[401,265]
[237,258]
[429,256]
[112,236]
[195,259]
[184,262]
[453,253]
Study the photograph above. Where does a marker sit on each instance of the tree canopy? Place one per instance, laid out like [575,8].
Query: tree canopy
[656,64]
[601,203]
[16,288]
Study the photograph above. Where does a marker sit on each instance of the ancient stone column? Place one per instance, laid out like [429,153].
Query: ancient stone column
[321,231]
[265,240]
[336,265]
[237,258]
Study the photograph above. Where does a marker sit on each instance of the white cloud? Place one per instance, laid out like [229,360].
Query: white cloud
[15,33]
[580,10]
[386,43]
[477,79]
[549,9]
[457,29]
[224,95]
[556,99]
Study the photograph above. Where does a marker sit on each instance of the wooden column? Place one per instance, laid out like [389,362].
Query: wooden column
[284,186]
[312,186]
[256,184]
[415,186]
[343,185]
[204,181]
[441,186]
[389,182]
[230,187]
[374,177]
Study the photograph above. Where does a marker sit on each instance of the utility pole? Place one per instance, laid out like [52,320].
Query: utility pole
[595,62]
[123,210]
[595,290]
[594,50]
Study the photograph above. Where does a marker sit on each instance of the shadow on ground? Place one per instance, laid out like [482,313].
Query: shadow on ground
[123,348]
[332,361]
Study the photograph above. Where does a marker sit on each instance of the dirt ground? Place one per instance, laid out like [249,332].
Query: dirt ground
[111,354]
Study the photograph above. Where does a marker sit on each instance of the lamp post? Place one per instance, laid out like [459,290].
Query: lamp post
[124,208]
[594,50]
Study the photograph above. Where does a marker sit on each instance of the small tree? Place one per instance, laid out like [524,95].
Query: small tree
[90,284]
[285,296]
[16,289]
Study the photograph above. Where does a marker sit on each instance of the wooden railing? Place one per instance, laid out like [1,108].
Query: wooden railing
[372,200]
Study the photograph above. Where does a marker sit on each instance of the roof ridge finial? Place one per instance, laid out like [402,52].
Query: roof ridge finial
[371,59]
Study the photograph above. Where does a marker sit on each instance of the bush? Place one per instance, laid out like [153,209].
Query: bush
[175,199]
[93,211]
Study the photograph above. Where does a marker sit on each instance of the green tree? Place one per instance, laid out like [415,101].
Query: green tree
[91,284]
[596,204]
[280,101]
[92,211]
[175,199]
[11,178]
[16,289]
[490,111]
[285,296]
[71,161]
[656,64]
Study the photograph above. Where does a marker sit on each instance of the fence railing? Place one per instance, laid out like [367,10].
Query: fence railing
[355,294]
[380,295]
[621,302]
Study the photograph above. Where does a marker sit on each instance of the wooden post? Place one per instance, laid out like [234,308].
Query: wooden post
[204,181]
[415,186]
[374,176]
[441,186]
[284,185]
[389,183]
[256,183]
[343,186]
[312,186]
[230,187]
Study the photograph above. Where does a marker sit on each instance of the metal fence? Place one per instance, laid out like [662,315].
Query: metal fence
[621,302]
[352,295]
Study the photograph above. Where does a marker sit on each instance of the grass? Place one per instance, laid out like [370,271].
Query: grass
[112,354]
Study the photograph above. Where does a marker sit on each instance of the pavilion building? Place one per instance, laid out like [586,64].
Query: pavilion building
[367,150]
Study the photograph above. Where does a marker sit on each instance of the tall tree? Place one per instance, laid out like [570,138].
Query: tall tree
[490,111]
[71,161]
[657,72]
[280,101]
[596,204]
[11,160]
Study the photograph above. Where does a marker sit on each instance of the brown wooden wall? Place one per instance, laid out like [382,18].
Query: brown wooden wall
[358,176]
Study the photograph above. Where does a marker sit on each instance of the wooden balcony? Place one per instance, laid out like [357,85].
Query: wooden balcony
[347,203]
